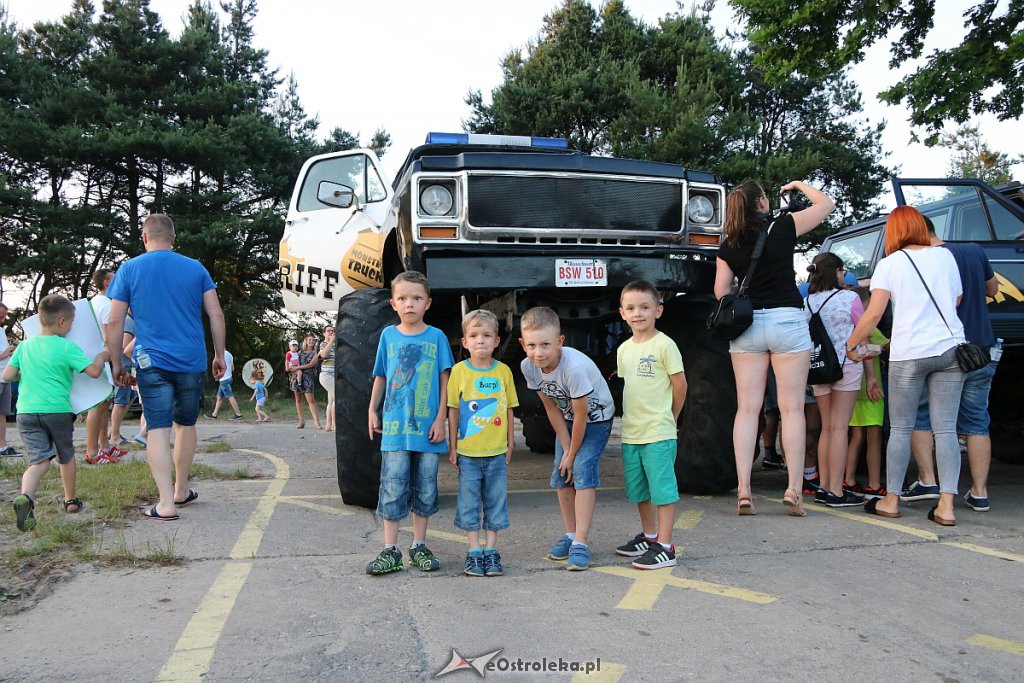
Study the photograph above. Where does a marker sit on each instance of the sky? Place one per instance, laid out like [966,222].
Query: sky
[406,66]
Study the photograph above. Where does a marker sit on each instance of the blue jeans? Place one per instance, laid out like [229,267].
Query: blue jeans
[907,381]
[973,418]
[483,483]
[585,467]
[169,397]
[407,476]
[224,389]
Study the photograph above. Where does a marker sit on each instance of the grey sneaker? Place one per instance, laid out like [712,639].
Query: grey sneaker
[919,491]
[235,418]
[389,560]
[492,564]
[421,556]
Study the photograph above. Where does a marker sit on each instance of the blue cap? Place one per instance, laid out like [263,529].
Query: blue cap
[850,280]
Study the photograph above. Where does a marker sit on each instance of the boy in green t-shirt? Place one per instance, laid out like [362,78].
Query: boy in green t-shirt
[481,396]
[655,388]
[45,365]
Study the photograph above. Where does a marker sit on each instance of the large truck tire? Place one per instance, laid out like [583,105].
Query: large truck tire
[362,316]
[539,434]
[704,461]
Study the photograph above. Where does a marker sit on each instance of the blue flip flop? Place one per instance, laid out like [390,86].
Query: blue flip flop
[192,495]
[153,514]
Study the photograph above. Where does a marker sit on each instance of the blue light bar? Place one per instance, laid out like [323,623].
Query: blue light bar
[507,140]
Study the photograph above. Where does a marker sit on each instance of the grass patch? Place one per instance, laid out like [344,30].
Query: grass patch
[216,447]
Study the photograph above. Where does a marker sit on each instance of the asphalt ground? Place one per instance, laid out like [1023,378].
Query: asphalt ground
[274,588]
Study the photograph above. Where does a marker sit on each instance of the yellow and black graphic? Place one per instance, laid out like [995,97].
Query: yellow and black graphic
[1006,290]
[361,265]
[288,264]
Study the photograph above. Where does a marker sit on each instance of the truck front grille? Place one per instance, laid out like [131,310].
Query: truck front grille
[573,204]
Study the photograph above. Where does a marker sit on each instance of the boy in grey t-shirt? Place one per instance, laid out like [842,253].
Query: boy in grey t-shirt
[580,408]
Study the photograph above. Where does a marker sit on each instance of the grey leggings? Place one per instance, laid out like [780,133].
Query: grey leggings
[943,380]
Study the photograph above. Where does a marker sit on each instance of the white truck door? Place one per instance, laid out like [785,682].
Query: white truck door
[332,241]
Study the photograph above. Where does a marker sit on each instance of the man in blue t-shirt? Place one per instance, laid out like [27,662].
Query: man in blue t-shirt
[167,293]
[979,281]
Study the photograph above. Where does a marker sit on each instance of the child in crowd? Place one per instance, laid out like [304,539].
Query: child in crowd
[259,394]
[45,365]
[868,415]
[291,359]
[655,388]
[481,396]
[580,407]
[411,375]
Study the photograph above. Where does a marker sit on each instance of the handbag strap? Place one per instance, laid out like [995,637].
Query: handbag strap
[755,256]
[934,302]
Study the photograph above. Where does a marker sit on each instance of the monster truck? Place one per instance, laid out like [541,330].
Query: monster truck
[965,210]
[507,223]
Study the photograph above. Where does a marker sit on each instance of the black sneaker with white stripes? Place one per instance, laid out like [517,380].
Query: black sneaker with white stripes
[849,499]
[656,557]
[635,548]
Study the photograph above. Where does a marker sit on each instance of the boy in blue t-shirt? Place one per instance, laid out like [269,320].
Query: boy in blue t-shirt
[411,375]
[259,394]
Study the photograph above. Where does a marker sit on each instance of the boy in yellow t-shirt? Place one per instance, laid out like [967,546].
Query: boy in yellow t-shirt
[481,396]
[655,388]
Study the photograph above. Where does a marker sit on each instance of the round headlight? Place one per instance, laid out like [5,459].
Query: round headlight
[436,200]
[700,209]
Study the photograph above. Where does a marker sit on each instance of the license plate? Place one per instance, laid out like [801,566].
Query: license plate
[581,272]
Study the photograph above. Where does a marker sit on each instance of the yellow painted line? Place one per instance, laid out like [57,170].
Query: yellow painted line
[441,534]
[994,552]
[610,673]
[293,500]
[648,585]
[194,651]
[703,497]
[688,519]
[1011,647]
[865,518]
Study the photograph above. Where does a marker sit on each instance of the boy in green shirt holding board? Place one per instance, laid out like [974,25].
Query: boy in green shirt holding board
[45,365]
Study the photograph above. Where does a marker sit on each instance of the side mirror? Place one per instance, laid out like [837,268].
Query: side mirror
[336,195]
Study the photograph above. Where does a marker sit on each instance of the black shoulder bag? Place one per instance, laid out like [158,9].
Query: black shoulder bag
[825,366]
[734,312]
[969,356]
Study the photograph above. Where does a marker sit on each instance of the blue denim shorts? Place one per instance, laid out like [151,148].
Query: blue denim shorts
[973,418]
[122,396]
[224,389]
[588,458]
[407,476]
[483,484]
[774,330]
[169,398]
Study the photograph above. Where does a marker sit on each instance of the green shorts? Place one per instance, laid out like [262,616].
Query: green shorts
[649,471]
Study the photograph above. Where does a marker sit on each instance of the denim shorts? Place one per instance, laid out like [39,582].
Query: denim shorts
[483,483]
[588,458]
[407,476]
[224,389]
[774,330]
[122,396]
[973,418]
[169,398]
[649,472]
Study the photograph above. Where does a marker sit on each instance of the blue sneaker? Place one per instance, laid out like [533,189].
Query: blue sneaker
[919,491]
[474,564]
[560,550]
[492,564]
[579,558]
[975,503]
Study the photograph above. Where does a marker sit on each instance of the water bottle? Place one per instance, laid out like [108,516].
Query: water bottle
[996,352]
[142,358]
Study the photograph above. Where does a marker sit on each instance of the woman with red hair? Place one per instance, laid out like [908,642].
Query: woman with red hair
[922,356]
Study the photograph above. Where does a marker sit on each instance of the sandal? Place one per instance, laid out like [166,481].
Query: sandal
[871,507]
[939,519]
[794,505]
[153,514]
[744,506]
[192,495]
[300,425]
[73,503]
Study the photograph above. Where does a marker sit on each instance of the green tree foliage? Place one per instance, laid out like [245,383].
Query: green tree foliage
[673,92]
[981,75]
[973,158]
[104,118]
